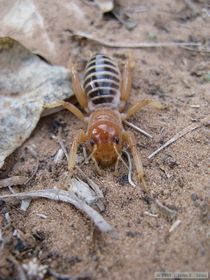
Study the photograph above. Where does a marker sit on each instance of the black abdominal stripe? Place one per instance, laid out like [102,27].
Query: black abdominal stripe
[102,83]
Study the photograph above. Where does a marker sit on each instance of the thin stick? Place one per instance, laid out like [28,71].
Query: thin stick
[169,213]
[190,48]
[68,197]
[138,129]
[150,214]
[175,138]
[134,44]
[34,172]
[13,181]
[175,225]
[59,140]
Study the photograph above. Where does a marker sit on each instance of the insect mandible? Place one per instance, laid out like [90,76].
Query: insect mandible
[103,96]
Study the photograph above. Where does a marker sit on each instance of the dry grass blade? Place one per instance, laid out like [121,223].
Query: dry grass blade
[33,173]
[175,138]
[175,225]
[64,196]
[134,45]
[200,49]
[81,276]
[150,214]
[59,156]
[138,129]
[13,181]
[166,211]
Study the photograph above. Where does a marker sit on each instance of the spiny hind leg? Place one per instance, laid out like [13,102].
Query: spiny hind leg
[126,80]
[79,138]
[77,88]
[70,107]
[139,105]
[129,138]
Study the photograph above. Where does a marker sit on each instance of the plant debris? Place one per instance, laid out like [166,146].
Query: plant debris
[27,83]
[68,197]
[138,129]
[174,226]
[166,211]
[31,23]
[175,138]
[105,5]
[120,13]
[132,45]
[34,270]
[13,181]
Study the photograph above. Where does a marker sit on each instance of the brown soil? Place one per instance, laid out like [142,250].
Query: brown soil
[66,240]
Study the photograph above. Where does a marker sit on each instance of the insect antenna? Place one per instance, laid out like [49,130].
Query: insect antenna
[119,155]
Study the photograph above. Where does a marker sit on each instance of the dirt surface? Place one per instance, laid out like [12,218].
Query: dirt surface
[65,240]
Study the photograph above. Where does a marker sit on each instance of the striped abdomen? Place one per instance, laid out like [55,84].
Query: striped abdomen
[102,83]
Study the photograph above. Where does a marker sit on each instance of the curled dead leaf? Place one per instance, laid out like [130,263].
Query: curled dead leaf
[32,23]
[26,84]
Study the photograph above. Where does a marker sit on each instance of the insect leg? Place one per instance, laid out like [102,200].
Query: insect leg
[139,105]
[79,138]
[129,138]
[126,81]
[70,107]
[77,88]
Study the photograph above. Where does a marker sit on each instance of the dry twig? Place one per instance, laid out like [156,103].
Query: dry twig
[200,49]
[166,211]
[138,129]
[133,44]
[175,138]
[81,276]
[175,225]
[150,214]
[58,156]
[13,181]
[68,197]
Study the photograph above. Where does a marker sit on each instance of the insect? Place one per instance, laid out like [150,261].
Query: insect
[103,96]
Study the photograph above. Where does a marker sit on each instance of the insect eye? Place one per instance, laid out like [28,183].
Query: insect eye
[116,140]
[92,142]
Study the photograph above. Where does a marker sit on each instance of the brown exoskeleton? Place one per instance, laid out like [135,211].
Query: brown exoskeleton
[103,96]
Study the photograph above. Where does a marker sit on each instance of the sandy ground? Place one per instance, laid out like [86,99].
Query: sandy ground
[66,241]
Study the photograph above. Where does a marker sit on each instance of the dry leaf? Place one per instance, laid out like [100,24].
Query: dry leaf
[26,83]
[40,25]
